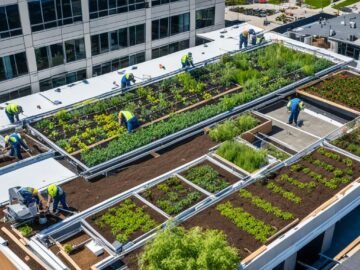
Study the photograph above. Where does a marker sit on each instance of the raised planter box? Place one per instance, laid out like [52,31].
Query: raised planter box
[264,127]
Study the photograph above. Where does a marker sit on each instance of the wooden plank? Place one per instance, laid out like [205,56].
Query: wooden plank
[352,245]
[162,118]
[282,230]
[69,259]
[254,254]
[155,155]
[23,247]
[328,102]
[5,263]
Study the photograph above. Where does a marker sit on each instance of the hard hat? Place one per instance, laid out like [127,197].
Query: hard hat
[7,138]
[52,190]
[189,53]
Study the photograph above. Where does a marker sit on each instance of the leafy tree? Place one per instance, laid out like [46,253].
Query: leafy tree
[194,249]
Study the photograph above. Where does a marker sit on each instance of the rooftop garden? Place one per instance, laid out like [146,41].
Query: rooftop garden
[345,4]
[258,73]
[342,88]
[318,3]
[250,217]
[350,142]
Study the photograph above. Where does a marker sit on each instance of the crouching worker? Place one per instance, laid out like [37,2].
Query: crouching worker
[12,111]
[187,60]
[30,195]
[129,120]
[295,105]
[127,79]
[16,144]
[56,194]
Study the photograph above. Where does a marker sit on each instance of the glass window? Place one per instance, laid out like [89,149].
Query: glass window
[205,17]
[114,40]
[137,34]
[104,42]
[9,21]
[12,66]
[101,8]
[164,27]
[95,46]
[161,2]
[170,48]
[62,79]
[15,94]
[42,59]
[57,54]
[46,14]
[80,48]
[75,50]
[155,29]
[123,37]
[21,63]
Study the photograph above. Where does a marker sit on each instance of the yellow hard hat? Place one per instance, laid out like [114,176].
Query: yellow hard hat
[52,190]
[7,137]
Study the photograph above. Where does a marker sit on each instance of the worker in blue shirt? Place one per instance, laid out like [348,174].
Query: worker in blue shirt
[187,60]
[127,79]
[57,195]
[129,120]
[16,143]
[30,195]
[295,105]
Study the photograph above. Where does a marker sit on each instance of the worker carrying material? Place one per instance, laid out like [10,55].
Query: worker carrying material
[30,195]
[187,60]
[127,79]
[294,106]
[12,111]
[129,120]
[16,143]
[56,194]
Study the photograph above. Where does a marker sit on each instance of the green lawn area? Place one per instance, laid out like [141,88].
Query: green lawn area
[318,3]
[345,3]
[275,2]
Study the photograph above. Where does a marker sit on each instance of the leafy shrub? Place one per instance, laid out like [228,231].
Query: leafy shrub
[206,177]
[25,230]
[297,183]
[177,248]
[243,220]
[242,155]
[68,248]
[276,153]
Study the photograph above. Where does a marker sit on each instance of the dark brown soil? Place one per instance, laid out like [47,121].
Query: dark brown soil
[82,194]
[106,233]
[20,253]
[212,219]
[34,147]
[51,219]
[55,249]
[229,177]
[154,194]
[131,259]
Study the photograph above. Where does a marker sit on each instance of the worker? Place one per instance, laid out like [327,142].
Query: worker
[294,106]
[56,194]
[187,61]
[30,195]
[127,79]
[12,111]
[244,39]
[129,120]
[252,36]
[16,144]
[260,39]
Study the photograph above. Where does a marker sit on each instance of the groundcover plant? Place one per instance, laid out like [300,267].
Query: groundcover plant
[342,88]
[350,142]
[258,72]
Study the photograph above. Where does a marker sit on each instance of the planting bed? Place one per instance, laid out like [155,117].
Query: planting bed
[257,72]
[35,148]
[254,12]
[36,227]
[210,177]
[341,88]
[243,156]
[173,196]
[350,142]
[125,221]
[252,215]
[275,152]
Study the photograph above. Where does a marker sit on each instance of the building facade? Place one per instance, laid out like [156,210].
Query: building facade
[48,43]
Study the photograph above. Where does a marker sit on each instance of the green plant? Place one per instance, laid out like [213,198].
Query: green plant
[68,248]
[265,205]
[286,194]
[177,248]
[206,177]
[25,230]
[242,155]
[246,222]
[310,185]
[276,153]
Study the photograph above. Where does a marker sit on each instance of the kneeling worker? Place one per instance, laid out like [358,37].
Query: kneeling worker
[187,61]
[56,194]
[295,105]
[129,120]
[30,195]
[127,79]
[12,111]
[16,143]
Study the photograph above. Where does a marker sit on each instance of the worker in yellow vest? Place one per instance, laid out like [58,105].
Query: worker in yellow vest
[12,111]
[56,195]
[16,143]
[129,120]
[187,60]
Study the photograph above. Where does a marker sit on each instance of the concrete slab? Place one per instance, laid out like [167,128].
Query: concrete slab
[310,122]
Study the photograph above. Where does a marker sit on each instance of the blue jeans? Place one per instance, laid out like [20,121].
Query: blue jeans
[62,200]
[243,40]
[294,116]
[12,117]
[16,151]
[132,124]
[31,199]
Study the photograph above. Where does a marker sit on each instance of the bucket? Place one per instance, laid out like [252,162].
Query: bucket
[42,220]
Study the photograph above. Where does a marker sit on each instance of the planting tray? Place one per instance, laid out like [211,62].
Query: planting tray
[350,93]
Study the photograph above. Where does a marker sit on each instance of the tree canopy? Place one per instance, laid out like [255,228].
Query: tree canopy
[195,249]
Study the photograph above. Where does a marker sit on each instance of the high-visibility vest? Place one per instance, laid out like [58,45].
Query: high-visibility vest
[128,76]
[245,33]
[294,104]
[12,108]
[184,59]
[14,138]
[128,115]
